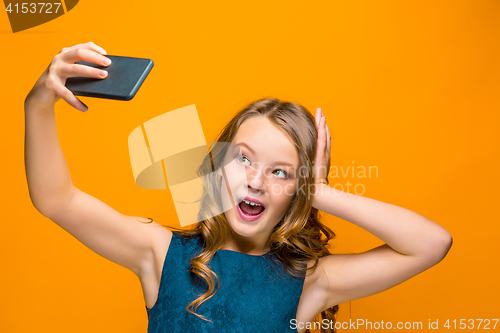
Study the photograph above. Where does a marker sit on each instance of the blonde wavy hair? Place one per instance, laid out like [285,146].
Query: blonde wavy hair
[299,236]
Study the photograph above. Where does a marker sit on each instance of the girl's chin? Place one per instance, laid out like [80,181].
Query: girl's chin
[243,234]
[243,228]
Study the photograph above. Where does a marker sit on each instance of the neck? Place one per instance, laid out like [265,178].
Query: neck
[254,246]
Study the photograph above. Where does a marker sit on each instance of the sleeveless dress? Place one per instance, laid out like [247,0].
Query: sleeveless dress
[256,293]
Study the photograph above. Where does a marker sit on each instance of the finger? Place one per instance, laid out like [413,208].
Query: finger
[322,135]
[82,70]
[84,54]
[97,48]
[328,135]
[89,45]
[328,140]
[68,96]
[317,116]
[324,128]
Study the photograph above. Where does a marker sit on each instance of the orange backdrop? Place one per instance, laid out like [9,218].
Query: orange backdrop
[409,87]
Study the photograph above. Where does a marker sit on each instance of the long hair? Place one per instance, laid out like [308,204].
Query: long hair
[299,236]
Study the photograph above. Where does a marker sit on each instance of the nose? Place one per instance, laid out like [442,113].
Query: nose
[256,179]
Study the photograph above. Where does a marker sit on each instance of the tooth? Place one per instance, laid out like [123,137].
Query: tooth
[251,203]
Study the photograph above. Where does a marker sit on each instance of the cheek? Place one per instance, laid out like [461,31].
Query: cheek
[282,196]
[236,185]
[283,190]
[290,190]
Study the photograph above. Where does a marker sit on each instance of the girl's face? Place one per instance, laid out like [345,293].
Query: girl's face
[271,161]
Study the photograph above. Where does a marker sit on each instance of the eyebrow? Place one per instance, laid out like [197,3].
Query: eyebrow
[253,152]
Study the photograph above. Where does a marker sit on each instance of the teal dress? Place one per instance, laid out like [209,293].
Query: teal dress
[256,294]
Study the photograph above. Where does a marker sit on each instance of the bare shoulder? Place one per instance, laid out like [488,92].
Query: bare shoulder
[345,277]
[152,267]
[328,263]
[314,298]
[158,232]
[161,238]
[319,280]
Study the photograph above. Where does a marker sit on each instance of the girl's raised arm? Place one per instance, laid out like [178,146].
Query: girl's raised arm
[413,243]
[119,238]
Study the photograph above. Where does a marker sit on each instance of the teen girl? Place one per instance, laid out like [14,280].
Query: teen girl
[262,266]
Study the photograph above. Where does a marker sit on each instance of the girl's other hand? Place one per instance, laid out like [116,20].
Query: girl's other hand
[321,162]
[50,87]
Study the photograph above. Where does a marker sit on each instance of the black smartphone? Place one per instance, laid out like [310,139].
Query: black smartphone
[125,77]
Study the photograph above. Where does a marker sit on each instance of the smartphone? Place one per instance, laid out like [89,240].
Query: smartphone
[125,77]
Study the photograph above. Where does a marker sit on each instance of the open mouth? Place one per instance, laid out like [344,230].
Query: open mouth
[250,210]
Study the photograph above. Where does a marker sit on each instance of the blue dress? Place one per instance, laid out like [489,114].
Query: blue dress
[256,294]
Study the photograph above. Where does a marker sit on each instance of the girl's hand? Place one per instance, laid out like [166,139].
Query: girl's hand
[50,87]
[322,161]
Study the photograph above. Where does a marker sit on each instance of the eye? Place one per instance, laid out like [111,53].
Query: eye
[285,174]
[240,157]
[243,157]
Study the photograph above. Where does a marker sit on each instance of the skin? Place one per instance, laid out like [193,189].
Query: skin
[412,243]
[266,180]
[50,86]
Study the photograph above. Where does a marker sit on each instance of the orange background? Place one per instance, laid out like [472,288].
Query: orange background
[410,87]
